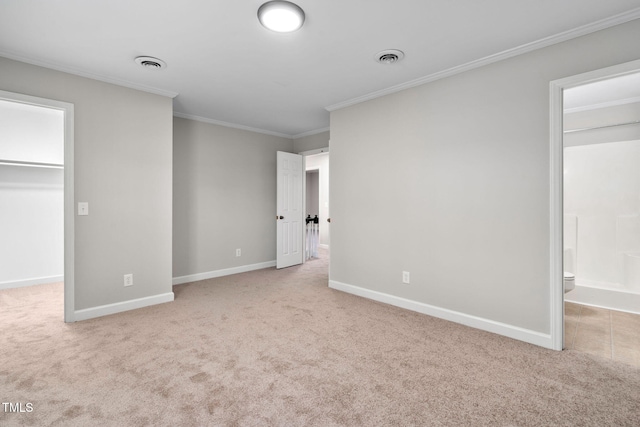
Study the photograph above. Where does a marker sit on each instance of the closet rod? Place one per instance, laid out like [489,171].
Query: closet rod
[602,127]
[31,164]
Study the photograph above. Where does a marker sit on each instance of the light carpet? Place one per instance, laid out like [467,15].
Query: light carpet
[280,348]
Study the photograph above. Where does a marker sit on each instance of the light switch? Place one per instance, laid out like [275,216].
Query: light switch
[83,208]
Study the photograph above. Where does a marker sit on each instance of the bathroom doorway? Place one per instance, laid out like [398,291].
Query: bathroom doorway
[36,179]
[595,219]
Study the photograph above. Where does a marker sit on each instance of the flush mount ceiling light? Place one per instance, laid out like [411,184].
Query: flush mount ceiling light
[390,56]
[281,16]
[150,62]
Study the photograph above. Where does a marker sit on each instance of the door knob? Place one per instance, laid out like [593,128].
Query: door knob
[279,217]
[328,219]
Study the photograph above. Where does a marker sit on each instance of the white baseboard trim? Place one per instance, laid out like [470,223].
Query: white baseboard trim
[31,282]
[515,332]
[323,246]
[224,272]
[119,307]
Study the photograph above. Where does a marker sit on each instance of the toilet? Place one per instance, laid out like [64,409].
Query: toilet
[569,281]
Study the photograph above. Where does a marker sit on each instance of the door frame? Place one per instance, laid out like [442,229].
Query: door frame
[556,228]
[69,225]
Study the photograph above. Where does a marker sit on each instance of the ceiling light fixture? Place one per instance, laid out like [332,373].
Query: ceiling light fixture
[150,62]
[390,56]
[281,16]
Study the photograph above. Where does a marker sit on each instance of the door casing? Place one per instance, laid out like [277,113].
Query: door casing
[556,226]
[69,225]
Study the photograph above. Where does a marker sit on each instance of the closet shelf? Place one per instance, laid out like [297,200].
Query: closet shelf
[31,164]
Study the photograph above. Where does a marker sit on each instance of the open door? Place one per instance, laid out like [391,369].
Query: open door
[289,214]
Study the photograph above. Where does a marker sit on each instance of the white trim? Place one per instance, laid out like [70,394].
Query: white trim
[612,299]
[230,125]
[311,132]
[81,73]
[119,307]
[30,282]
[69,191]
[224,272]
[510,53]
[556,280]
[607,104]
[304,208]
[69,214]
[526,335]
[556,275]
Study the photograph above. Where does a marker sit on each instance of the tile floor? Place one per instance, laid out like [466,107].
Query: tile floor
[607,333]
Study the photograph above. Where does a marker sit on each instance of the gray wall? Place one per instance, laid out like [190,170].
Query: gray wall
[313,193]
[450,181]
[224,197]
[123,162]
[311,142]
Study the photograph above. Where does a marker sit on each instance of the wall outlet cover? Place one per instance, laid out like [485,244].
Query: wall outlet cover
[406,277]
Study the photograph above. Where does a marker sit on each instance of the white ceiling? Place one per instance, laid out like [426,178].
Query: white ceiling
[226,68]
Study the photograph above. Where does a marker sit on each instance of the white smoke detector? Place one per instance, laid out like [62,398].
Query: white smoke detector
[389,56]
[150,62]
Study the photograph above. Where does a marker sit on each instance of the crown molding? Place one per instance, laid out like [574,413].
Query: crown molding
[230,125]
[311,132]
[248,128]
[80,73]
[525,48]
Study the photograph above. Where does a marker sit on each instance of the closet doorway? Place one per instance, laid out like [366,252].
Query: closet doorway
[36,194]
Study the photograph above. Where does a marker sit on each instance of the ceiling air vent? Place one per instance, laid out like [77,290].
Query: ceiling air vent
[390,56]
[150,62]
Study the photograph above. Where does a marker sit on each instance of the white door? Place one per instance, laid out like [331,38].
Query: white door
[289,215]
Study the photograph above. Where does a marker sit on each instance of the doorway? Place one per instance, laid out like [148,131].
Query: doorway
[317,200]
[563,239]
[40,162]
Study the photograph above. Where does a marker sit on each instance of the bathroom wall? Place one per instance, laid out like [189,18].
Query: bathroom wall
[605,120]
[601,188]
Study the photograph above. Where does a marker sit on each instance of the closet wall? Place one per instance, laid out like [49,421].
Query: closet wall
[31,196]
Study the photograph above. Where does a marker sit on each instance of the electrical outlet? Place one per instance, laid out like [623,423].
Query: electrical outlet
[238,252]
[128,279]
[406,278]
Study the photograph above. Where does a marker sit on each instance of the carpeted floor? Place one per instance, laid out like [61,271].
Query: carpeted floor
[278,347]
